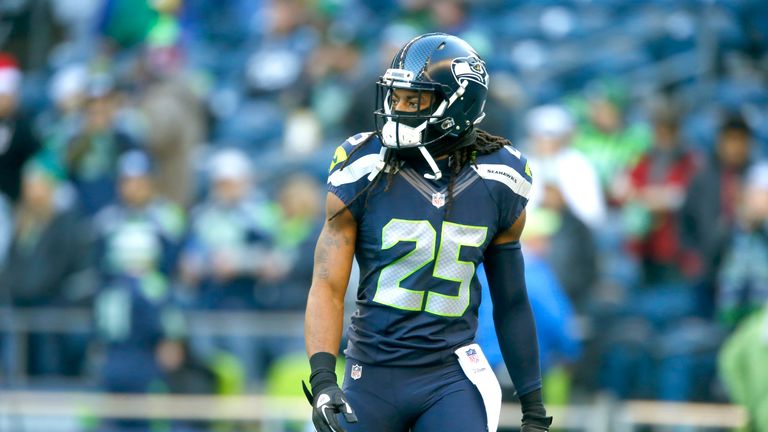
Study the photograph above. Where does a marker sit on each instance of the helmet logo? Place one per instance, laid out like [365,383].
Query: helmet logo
[469,68]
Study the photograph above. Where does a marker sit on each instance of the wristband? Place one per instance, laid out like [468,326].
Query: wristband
[532,405]
[323,374]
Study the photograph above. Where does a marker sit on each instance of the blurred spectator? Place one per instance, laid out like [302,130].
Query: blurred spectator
[228,257]
[654,193]
[740,263]
[135,312]
[59,124]
[571,251]
[228,251]
[336,78]
[176,129]
[183,373]
[553,161]
[300,222]
[141,212]
[92,154]
[277,63]
[47,264]
[449,16]
[17,142]
[742,368]
[709,210]
[608,141]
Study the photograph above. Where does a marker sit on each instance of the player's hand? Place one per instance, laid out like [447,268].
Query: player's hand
[326,404]
[535,424]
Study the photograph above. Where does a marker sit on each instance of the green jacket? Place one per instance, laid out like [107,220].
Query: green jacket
[743,368]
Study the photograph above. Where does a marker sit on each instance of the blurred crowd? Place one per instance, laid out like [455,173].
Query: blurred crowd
[165,156]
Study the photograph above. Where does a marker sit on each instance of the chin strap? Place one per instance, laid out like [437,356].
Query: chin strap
[380,165]
[431,161]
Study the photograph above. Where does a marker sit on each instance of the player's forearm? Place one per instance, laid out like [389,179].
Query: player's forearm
[516,332]
[330,275]
[512,316]
[323,321]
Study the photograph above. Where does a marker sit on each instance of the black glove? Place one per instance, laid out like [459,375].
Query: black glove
[326,397]
[536,424]
[534,415]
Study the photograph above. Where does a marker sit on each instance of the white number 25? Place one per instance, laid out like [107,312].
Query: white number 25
[447,265]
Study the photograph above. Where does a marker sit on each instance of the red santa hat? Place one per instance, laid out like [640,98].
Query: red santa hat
[10,75]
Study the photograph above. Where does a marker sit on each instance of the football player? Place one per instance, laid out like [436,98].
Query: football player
[420,203]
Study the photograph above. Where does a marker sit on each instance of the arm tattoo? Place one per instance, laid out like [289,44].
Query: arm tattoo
[331,239]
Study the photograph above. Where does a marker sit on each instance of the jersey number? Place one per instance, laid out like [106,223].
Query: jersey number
[448,266]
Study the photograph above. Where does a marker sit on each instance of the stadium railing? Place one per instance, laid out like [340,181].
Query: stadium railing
[603,415]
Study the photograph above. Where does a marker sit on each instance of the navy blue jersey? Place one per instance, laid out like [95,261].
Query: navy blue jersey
[418,295]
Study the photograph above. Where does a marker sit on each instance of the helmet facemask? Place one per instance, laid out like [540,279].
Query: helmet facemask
[404,130]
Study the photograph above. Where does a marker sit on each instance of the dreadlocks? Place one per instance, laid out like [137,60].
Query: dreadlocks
[484,143]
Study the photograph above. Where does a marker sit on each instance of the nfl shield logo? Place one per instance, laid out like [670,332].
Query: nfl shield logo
[472,354]
[438,199]
[357,372]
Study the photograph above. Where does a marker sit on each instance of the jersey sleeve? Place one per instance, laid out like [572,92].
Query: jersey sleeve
[511,176]
[350,168]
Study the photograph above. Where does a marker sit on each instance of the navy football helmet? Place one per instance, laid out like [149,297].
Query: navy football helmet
[450,74]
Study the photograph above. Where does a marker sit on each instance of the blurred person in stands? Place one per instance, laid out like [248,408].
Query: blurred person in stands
[140,208]
[740,262]
[59,124]
[711,200]
[92,154]
[571,250]
[606,138]
[335,71]
[17,141]
[550,129]
[136,311]
[300,208]
[48,265]
[742,368]
[183,373]
[653,192]
[276,66]
[228,254]
[449,16]
[168,100]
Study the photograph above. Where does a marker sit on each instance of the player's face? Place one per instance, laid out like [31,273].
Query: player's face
[405,100]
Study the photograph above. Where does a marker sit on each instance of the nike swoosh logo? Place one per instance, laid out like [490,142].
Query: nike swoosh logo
[325,407]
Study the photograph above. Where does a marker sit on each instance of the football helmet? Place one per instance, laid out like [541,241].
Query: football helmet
[444,70]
